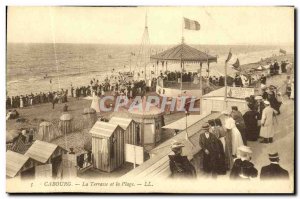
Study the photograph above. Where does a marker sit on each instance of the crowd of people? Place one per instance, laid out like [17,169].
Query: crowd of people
[240,80]
[224,146]
[224,149]
[34,99]
[117,84]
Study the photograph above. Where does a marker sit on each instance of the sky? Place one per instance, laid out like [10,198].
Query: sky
[125,25]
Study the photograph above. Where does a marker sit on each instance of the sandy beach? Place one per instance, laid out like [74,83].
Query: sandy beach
[35,114]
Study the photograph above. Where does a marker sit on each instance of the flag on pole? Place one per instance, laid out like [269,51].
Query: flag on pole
[282,51]
[236,65]
[229,56]
[191,24]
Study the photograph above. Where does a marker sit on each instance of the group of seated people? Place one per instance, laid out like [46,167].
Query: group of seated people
[240,80]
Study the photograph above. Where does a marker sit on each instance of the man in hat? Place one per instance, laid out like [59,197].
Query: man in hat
[274,170]
[180,166]
[274,103]
[264,93]
[260,105]
[239,122]
[263,79]
[242,167]
[209,149]
[267,123]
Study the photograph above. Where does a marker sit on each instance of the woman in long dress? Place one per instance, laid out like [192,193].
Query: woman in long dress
[226,139]
[21,102]
[237,140]
[221,165]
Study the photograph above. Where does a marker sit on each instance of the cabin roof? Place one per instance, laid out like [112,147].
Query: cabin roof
[14,163]
[41,151]
[104,129]
[123,122]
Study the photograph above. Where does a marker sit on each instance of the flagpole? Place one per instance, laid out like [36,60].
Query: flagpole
[181,64]
[207,64]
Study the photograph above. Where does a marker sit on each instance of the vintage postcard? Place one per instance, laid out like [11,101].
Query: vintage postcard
[150,99]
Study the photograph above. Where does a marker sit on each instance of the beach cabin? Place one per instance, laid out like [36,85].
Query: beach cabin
[19,165]
[130,127]
[47,132]
[65,123]
[149,124]
[89,117]
[49,156]
[107,146]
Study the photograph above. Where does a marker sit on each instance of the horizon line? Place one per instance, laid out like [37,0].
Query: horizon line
[235,44]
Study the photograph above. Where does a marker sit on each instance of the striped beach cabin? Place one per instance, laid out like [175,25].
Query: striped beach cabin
[107,146]
[130,128]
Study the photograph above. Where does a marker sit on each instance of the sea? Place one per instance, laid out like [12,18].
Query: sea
[36,67]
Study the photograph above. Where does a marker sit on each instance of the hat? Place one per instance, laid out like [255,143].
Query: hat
[234,108]
[245,149]
[258,97]
[274,156]
[266,102]
[205,126]
[226,112]
[176,145]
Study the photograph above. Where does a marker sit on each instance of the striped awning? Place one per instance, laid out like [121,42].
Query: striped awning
[185,53]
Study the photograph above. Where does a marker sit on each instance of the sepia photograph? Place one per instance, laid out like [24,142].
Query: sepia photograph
[141,99]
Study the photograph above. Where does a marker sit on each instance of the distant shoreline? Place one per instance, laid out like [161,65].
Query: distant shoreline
[279,58]
[77,67]
[138,44]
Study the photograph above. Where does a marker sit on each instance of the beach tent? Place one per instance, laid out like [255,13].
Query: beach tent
[47,132]
[107,146]
[96,104]
[266,66]
[65,123]
[259,68]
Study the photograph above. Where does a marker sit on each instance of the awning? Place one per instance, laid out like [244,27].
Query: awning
[184,53]
[181,123]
